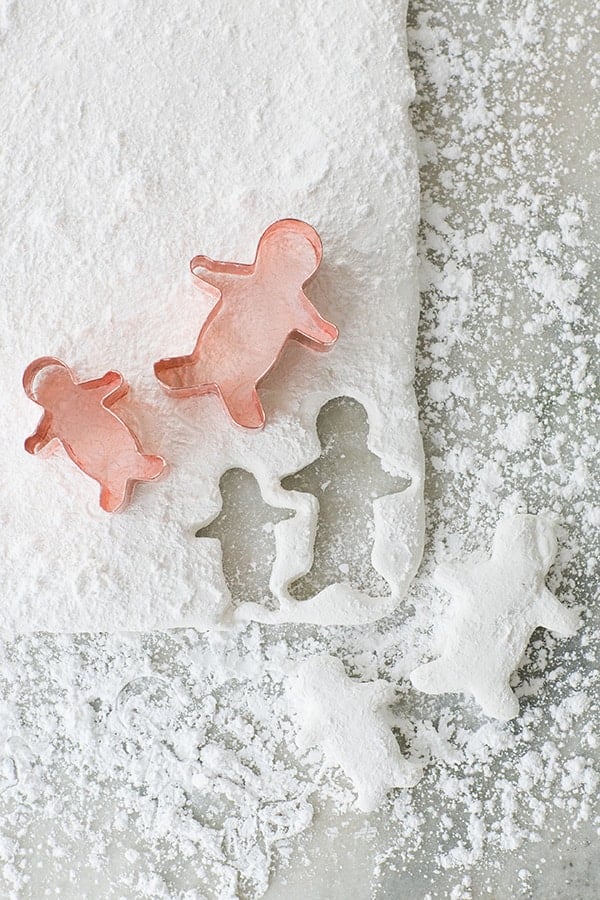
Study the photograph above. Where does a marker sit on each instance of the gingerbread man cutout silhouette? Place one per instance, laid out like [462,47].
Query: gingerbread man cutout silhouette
[259,308]
[350,722]
[496,604]
[78,416]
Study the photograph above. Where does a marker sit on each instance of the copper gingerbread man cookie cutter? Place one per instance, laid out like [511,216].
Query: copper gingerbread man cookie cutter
[78,416]
[260,307]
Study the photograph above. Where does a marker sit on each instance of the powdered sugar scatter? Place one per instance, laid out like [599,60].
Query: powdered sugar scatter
[163,766]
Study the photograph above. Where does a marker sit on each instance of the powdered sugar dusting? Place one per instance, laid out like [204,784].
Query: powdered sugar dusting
[161,766]
[125,155]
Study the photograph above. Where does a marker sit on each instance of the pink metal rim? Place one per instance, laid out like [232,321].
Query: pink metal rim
[260,307]
[77,415]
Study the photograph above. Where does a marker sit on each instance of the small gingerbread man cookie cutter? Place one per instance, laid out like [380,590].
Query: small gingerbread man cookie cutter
[77,415]
[259,308]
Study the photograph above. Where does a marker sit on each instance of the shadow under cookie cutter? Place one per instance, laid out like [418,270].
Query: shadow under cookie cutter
[259,308]
[77,415]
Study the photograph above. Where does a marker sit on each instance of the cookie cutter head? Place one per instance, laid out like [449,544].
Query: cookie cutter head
[77,416]
[259,308]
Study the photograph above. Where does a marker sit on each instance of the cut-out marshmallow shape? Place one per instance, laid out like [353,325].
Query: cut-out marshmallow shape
[348,720]
[496,605]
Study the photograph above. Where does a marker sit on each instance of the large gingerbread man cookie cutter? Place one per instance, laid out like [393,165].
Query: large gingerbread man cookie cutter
[77,415]
[260,307]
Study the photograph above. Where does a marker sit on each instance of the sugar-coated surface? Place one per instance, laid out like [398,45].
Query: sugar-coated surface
[165,766]
[137,135]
